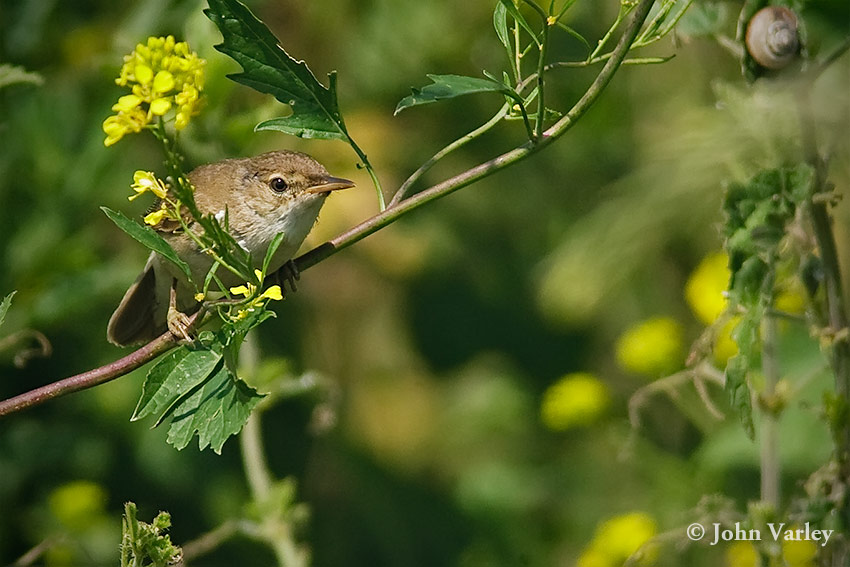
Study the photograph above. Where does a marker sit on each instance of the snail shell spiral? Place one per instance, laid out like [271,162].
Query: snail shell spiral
[772,37]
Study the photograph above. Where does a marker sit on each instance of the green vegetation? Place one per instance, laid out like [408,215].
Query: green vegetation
[601,300]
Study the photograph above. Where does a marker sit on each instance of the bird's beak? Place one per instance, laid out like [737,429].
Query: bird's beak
[329,184]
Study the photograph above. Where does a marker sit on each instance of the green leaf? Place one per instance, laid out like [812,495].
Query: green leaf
[451,86]
[273,246]
[149,238]
[4,306]
[269,69]
[216,410]
[737,367]
[500,23]
[517,15]
[175,375]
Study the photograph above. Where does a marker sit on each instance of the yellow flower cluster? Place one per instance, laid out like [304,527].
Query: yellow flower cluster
[618,539]
[652,347]
[272,293]
[576,399]
[161,75]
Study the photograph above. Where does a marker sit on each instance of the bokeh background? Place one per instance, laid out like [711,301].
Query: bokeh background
[475,360]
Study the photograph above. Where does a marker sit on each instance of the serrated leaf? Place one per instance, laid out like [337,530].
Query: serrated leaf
[450,86]
[295,125]
[269,69]
[174,376]
[216,410]
[149,238]
[4,306]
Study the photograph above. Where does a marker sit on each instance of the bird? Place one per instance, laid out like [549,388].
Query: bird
[262,196]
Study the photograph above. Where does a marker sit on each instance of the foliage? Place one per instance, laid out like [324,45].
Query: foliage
[405,384]
[269,69]
[4,306]
[146,545]
[757,215]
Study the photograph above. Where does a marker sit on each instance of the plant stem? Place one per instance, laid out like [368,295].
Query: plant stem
[836,309]
[490,167]
[370,170]
[94,377]
[404,190]
[541,65]
[605,57]
[364,229]
[276,532]
[770,465]
[601,43]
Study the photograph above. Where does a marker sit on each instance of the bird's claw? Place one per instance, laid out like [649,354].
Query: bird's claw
[287,274]
[178,322]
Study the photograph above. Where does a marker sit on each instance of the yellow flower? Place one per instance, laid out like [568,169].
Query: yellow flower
[243,290]
[576,399]
[78,503]
[705,289]
[162,74]
[272,293]
[131,121]
[652,347]
[799,553]
[741,554]
[594,558]
[156,217]
[144,181]
[618,538]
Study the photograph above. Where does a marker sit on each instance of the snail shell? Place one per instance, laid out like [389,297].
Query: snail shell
[772,38]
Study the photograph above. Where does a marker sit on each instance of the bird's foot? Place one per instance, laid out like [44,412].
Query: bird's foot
[179,324]
[286,274]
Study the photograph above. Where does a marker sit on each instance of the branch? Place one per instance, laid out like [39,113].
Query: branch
[94,377]
[364,229]
[490,167]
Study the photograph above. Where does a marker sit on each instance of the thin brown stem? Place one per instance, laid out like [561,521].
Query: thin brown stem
[490,167]
[364,229]
[93,377]
[836,308]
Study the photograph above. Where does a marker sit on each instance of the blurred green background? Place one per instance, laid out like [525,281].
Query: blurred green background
[438,340]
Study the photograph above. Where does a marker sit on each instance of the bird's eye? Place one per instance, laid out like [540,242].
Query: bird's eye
[278,184]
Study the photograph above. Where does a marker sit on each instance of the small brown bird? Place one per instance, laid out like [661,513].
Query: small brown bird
[276,192]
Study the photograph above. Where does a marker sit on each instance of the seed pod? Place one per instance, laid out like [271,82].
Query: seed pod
[772,37]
